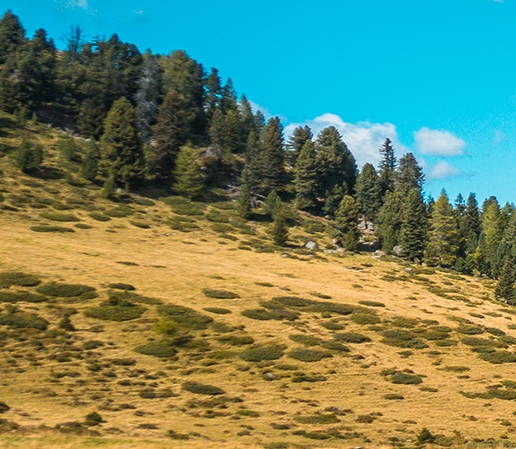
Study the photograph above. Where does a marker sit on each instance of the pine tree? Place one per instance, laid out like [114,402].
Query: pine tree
[247,119]
[409,174]
[170,134]
[413,226]
[390,219]
[368,192]
[491,237]
[89,166]
[270,160]
[345,225]
[295,144]
[188,174]
[12,35]
[244,202]
[306,178]
[279,230]
[120,145]
[214,93]
[387,167]
[272,204]
[29,156]
[443,237]
[504,290]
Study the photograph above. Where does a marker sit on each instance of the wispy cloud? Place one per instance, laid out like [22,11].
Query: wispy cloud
[443,170]
[438,143]
[78,3]
[363,139]
[498,137]
[256,107]
[499,1]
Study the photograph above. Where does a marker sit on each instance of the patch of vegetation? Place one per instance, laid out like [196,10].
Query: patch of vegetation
[43,228]
[218,310]
[13,297]
[309,355]
[121,211]
[4,407]
[402,377]
[307,340]
[56,216]
[363,318]
[99,217]
[157,349]
[23,320]
[120,297]
[219,294]
[264,284]
[401,338]
[199,388]
[139,224]
[498,357]
[184,317]
[10,278]
[470,330]
[393,397]
[456,369]
[317,419]
[93,419]
[404,322]
[264,314]
[262,353]
[351,337]
[115,310]
[332,326]
[68,290]
[236,340]
[121,286]
[372,303]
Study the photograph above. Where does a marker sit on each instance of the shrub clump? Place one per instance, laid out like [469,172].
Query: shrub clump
[470,330]
[9,278]
[218,310]
[43,228]
[351,337]
[309,355]
[57,216]
[185,317]
[93,419]
[115,310]
[156,349]
[198,388]
[68,290]
[371,303]
[4,407]
[401,338]
[264,314]
[261,353]
[498,357]
[307,340]
[237,340]
[365,318]
[99,217]
[402,378]
[317,419]
[121,286]
[219,294]
[13,297]
[23,320]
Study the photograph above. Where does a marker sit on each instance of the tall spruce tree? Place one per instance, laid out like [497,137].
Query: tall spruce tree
[414,223]
[390,219]
[306,178]
[296,142]
[271,158]
[244,202]
[409,174]
[443,237]
[12,35]
[345,225]
[187,174]
[387,167]
[120,145]
[504,289]
[368,194]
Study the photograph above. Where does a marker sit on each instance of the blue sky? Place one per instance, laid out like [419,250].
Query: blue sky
[438,77]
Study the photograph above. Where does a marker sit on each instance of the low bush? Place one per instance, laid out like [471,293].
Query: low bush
[362,318]
[23,320]
[144,202]
[124,312]
[185,317]
[218,310]
[9,278]
[456,369]
[317,419]
[334,346]
[236,340]
[219,294]
[498,357]
[4,407]
[494,331]
[307,340]
[476,341]
[177,436]
[332,326]
[156,349]
[99,217]
[470,330]
[264,314]
[198,388]
[121,286]
[82,226]
[122,297]
[309,355]
[261,353]
[43,228]
[13,297]
[93,419]
[351,337]
[189,209]
[56,216]
[68,290]
[120,212]
[139,224]
[393,397]
[404,322]
[401,338]
[372,303]
[402,378]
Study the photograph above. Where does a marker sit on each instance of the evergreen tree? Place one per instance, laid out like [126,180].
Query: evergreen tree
[228,101]
[336,164]
[188,174]
[270,160]
[279,230]
[12,35]
[89,166]
[491,238]
[368,192]
[29,156]
[148,95]
[443,237]
[306,178]
[413,226]
[345,225]
[272,204]
[120,145]
[222,135]
[409,174]
[213,94]
[169,135]
[244,202]
[390,219]
[247,120]
[504,290]
[251,171]
[295,144]
[333,198]
[387,167]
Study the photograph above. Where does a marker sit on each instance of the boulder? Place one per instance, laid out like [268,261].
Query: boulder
[311,245]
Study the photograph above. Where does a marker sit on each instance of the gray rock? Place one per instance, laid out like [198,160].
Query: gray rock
[397,250]
[311,245]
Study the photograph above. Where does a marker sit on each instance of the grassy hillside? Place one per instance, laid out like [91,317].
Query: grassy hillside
[183,326]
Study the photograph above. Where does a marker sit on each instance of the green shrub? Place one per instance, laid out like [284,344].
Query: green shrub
[308,355]
[334,346]
[264,314]
[405,378]
[371,303]
[236,340]
[23,320]
[363,318]
[177,436]
[247,412]
[332,326]
[307,340]
[476,341]
[121,211]
[29,156]
[495,331]
[261,353]
[121,297]
[218,310]
[264,284]
[189,209]
[222,227]
[144,202]
[401,338]
[456,369]
[139,224]
[156,349]
[12,297]
[124,312]
[317,419]
[470,330]
[121,286]
[9,278]
[99,217]
[219,294]
[198,388]
[498,357]
[4,407]
[404,322]
[185,317]
[93,419]
[351,337]
[68,290]
[56,216]
[393,397]
[44,228]
[82,226]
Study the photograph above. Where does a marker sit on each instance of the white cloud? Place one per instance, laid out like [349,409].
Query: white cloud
[139,12]
[498,137]
[444,169]
[363,139]
[438,143]
[79,3]
[499,1]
